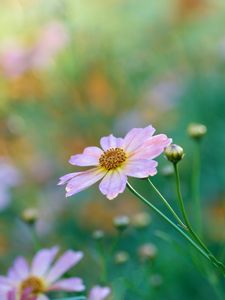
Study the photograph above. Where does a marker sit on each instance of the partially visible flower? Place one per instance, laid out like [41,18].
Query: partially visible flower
[141,220]
[121,157]
[147,251]
[121,222]
[42,277]
[99,293]
[9,177]
[26,295]
[121,257]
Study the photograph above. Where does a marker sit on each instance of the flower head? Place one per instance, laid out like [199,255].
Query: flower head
[119,158]
[41,277]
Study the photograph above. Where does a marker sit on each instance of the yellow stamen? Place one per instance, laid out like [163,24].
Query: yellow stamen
[35,284]
[112,158]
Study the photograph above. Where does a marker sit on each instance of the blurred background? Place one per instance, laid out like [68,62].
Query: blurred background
[72,71]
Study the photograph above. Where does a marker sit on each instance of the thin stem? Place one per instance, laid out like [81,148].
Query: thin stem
[187,223]
[167,204]
[195,186]
[203,253]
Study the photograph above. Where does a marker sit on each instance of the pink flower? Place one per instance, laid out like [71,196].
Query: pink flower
[99,293]
[9,177]
[26,295]
[119,158]
[41,277]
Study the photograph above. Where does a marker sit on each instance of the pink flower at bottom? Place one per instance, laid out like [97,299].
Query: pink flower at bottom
[41,277]
[119,158]
[98,293]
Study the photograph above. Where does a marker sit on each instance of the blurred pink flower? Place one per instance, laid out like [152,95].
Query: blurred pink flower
[42,277]
[9,177]
[121,157]
[99,293]
[52,39]
[26,295]
[16,59]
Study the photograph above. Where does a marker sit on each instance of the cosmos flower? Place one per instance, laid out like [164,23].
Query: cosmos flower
[119,158]
[26,295]
[41,277]
[17,59]
[98,293]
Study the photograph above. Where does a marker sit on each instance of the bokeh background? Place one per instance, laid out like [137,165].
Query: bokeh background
[72,71]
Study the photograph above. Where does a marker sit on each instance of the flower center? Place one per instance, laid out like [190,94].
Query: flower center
[112,158]
[34,284]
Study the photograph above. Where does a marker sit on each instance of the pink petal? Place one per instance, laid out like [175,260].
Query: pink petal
[64,263]
[110,141]
[152,147]
[140,168]
[68,285]
[21,267]
[136,137]
[83,180]
[67,177]
[43,260]
[13,275]
[99,293]
[6,284]
[90,157]
[113,184]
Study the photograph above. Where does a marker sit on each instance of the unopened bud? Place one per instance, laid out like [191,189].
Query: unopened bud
[174,153]
[121,257]
[121,222]
[98,234]
[141,220]
[196,131]
[147,252]
[29,215]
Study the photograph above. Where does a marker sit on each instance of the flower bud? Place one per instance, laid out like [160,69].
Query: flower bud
[121,222]
[98,234]
[121,257]
[29,215]
[141,220]
[147,251]
[174,153]
[196,131]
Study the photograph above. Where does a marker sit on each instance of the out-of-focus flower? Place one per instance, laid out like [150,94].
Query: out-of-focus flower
[121,222]
[29,215]
[99,293]
[121,257]
[16,59]
[141,220]
[147,251]
[121,157]
[42,276]
[26,295]
[9,177]
[98,234]
[52,39]
[196,130]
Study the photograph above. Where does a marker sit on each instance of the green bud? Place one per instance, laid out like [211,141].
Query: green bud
[196,131]
[147,251]
[121,222]
[98,234]
[141,220]
[121,257]
[29,216]
[174,153]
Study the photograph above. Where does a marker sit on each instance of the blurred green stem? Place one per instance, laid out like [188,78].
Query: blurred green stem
[200,250]
[196,184]
[167,204]
[34,237]
[213,259]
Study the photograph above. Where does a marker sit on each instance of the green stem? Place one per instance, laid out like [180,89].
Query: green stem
[200,250]
[187,223]
[195,186]
[167,204]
